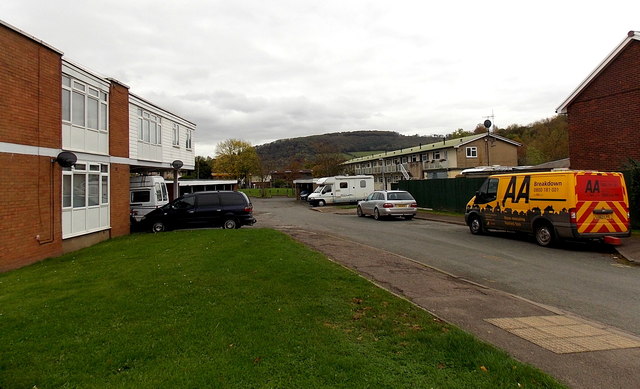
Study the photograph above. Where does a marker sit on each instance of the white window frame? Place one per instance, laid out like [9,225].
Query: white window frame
[176,135]
[85,198]
[76,92]
[149,127]
[187,143]
[472,152]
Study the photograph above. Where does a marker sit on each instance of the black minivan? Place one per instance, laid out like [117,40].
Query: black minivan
[226,209]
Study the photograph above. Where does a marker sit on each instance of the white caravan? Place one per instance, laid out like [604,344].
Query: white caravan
[341,189]
[146,194]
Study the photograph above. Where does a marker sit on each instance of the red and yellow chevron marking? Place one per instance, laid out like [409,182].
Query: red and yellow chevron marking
[588,222]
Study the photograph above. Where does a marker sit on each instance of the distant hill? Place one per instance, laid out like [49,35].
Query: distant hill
[302,152]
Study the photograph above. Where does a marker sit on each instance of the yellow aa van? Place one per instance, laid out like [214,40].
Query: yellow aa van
[552,205]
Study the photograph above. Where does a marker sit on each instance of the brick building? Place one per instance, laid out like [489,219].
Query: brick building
[604,111]
[445,159]
[69,140]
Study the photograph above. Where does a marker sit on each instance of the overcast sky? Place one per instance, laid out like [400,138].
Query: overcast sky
[265,70]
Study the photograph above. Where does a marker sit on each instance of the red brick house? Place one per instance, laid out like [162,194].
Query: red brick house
[69,139]
[604,111]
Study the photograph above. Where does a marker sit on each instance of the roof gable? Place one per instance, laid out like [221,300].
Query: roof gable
[631,36]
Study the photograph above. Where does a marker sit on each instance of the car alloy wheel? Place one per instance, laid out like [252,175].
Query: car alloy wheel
[158,227]
[230,224]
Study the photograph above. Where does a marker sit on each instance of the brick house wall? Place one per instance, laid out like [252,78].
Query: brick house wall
[119,147]
[604,119]
[30,115]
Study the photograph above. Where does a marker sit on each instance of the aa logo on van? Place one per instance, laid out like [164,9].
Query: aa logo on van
[522,192]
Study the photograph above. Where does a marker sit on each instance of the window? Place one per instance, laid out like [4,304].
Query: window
[85,199]
[187,142]
[436,155]
[149,127]
[344,185]
[83,105]
[208,200]
[140,196]
[85,185]
[472,152]
[176,135]
[363,183]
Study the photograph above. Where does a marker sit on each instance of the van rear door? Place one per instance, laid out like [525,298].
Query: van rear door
[602,206]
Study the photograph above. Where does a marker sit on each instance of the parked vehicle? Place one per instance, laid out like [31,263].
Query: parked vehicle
[303,195]
[226,209]
[552,205]
[384,203]
[146,193]
[341,189]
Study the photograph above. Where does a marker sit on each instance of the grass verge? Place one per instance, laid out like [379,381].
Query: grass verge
[227,308]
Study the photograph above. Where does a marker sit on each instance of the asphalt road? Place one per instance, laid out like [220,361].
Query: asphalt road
[584,279]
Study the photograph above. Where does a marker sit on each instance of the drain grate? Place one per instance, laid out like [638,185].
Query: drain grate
[563,334]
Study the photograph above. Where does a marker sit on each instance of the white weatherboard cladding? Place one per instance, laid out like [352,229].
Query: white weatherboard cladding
[165,152]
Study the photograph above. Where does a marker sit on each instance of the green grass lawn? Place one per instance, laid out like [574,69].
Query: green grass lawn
[247,308]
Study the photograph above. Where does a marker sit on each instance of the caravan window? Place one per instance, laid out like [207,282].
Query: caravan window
[142,196]
[344,185]
[363,183]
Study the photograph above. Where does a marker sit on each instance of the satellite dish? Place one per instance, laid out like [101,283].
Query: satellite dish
[487,123]
[66,159]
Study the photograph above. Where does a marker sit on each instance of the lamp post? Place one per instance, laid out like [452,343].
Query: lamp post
[176,165]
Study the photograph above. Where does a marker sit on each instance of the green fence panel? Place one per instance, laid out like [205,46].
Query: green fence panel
[444,194]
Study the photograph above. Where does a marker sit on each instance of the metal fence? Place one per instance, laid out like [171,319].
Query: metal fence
[446,194]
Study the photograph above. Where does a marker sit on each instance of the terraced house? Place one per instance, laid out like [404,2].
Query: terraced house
[445,159]
[69,140]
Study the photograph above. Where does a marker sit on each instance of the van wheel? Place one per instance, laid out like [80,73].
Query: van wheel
[359,212]
[230,224]
[376,214]
[321,203]
[544,234]
[475,226]
[158,227]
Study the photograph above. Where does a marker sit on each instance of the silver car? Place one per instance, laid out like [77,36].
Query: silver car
[383,203]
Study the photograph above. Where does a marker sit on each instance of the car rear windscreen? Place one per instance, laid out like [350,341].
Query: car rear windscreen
[400,196]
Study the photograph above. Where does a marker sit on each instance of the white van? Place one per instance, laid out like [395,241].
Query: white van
[341,189]
[146,194]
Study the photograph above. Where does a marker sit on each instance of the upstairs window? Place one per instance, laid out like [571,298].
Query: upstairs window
[187,142]
[83,105]
[472,152]
[176,135]
[149,127]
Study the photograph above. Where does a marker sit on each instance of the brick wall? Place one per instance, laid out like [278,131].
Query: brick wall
[28,233]
[119,175]
[30,114]
[30,97]
[604,120]
[118,120]
[119,147]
